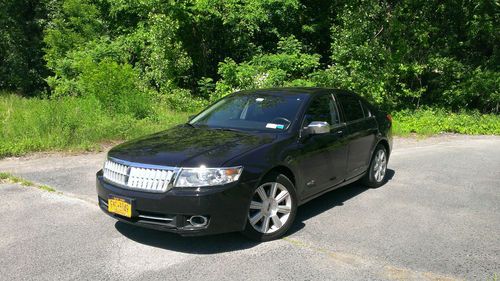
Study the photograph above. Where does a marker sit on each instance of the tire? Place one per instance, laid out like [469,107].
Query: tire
[278,210]
[376,175]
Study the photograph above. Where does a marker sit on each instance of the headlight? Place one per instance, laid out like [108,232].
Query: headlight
[195,177]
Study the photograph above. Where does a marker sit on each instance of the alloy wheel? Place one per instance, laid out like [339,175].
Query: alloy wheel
[380,166]
[270,207]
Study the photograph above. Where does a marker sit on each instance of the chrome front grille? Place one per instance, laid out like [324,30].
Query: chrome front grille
[151,178]
[116,173]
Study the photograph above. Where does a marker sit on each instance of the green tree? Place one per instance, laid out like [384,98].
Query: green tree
[408,54]
[399,54]
[22,68]
[288,66]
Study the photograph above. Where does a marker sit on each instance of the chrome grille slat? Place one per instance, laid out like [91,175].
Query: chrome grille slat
[156,218]
[150,178]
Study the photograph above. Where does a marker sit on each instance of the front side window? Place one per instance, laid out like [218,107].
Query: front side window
[260,112]
[352,107]
[322,108]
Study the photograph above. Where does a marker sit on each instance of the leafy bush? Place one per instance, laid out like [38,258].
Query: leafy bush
[182,100]
[288,66]
[73,24]
[435,121]
[480,89]
[117,87]
[165,61]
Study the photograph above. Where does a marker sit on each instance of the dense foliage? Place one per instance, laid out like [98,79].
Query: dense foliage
[125,53]
[22,67]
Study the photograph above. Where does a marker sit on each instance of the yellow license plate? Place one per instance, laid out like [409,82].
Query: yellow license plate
[120,206]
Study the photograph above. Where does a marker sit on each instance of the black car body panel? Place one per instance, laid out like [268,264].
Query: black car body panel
[314,163]
[189,147]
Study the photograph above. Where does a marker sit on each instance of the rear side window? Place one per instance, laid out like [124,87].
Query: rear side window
[352,107]
[366,109]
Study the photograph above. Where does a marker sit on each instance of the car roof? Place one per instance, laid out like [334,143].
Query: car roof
[288,91]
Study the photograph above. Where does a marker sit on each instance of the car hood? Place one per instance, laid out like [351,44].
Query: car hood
[185,146]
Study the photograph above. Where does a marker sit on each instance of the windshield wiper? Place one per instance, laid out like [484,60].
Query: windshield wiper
[227,129]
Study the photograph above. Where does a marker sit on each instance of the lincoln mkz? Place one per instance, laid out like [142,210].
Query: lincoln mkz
[247,162]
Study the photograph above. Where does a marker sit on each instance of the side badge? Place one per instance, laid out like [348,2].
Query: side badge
[311,183]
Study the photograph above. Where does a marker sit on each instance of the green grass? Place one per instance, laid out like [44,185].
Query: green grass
[8,178]
[71,124]
[428,122]
[46,188]
[4,176]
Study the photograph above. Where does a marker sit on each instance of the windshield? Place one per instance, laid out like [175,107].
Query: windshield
[264,112]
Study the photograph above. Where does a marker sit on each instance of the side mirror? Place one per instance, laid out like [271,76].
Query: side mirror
[318,128]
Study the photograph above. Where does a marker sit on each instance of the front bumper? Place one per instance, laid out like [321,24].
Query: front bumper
[226,207]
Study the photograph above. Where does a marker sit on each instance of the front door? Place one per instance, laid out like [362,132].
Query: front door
[323,157]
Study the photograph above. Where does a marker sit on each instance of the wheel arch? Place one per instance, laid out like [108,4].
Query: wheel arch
[386,145]
[281,169]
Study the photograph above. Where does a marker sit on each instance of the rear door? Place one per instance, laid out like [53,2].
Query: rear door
[361,132]
[323,158]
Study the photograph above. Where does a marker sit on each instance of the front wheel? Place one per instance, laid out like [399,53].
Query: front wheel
[375,176]
[272,209]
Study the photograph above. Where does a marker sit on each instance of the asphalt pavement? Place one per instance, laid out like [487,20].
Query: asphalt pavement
[438,218]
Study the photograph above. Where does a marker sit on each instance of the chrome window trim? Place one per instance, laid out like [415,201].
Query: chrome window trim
[339,123]
[356,121]
[359,120]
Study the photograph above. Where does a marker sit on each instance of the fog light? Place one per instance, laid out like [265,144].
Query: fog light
[198,221]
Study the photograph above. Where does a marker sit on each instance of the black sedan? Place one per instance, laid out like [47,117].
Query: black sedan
[247,162]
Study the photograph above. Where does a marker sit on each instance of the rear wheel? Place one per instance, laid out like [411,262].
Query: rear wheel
[272,208]
[376,174]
